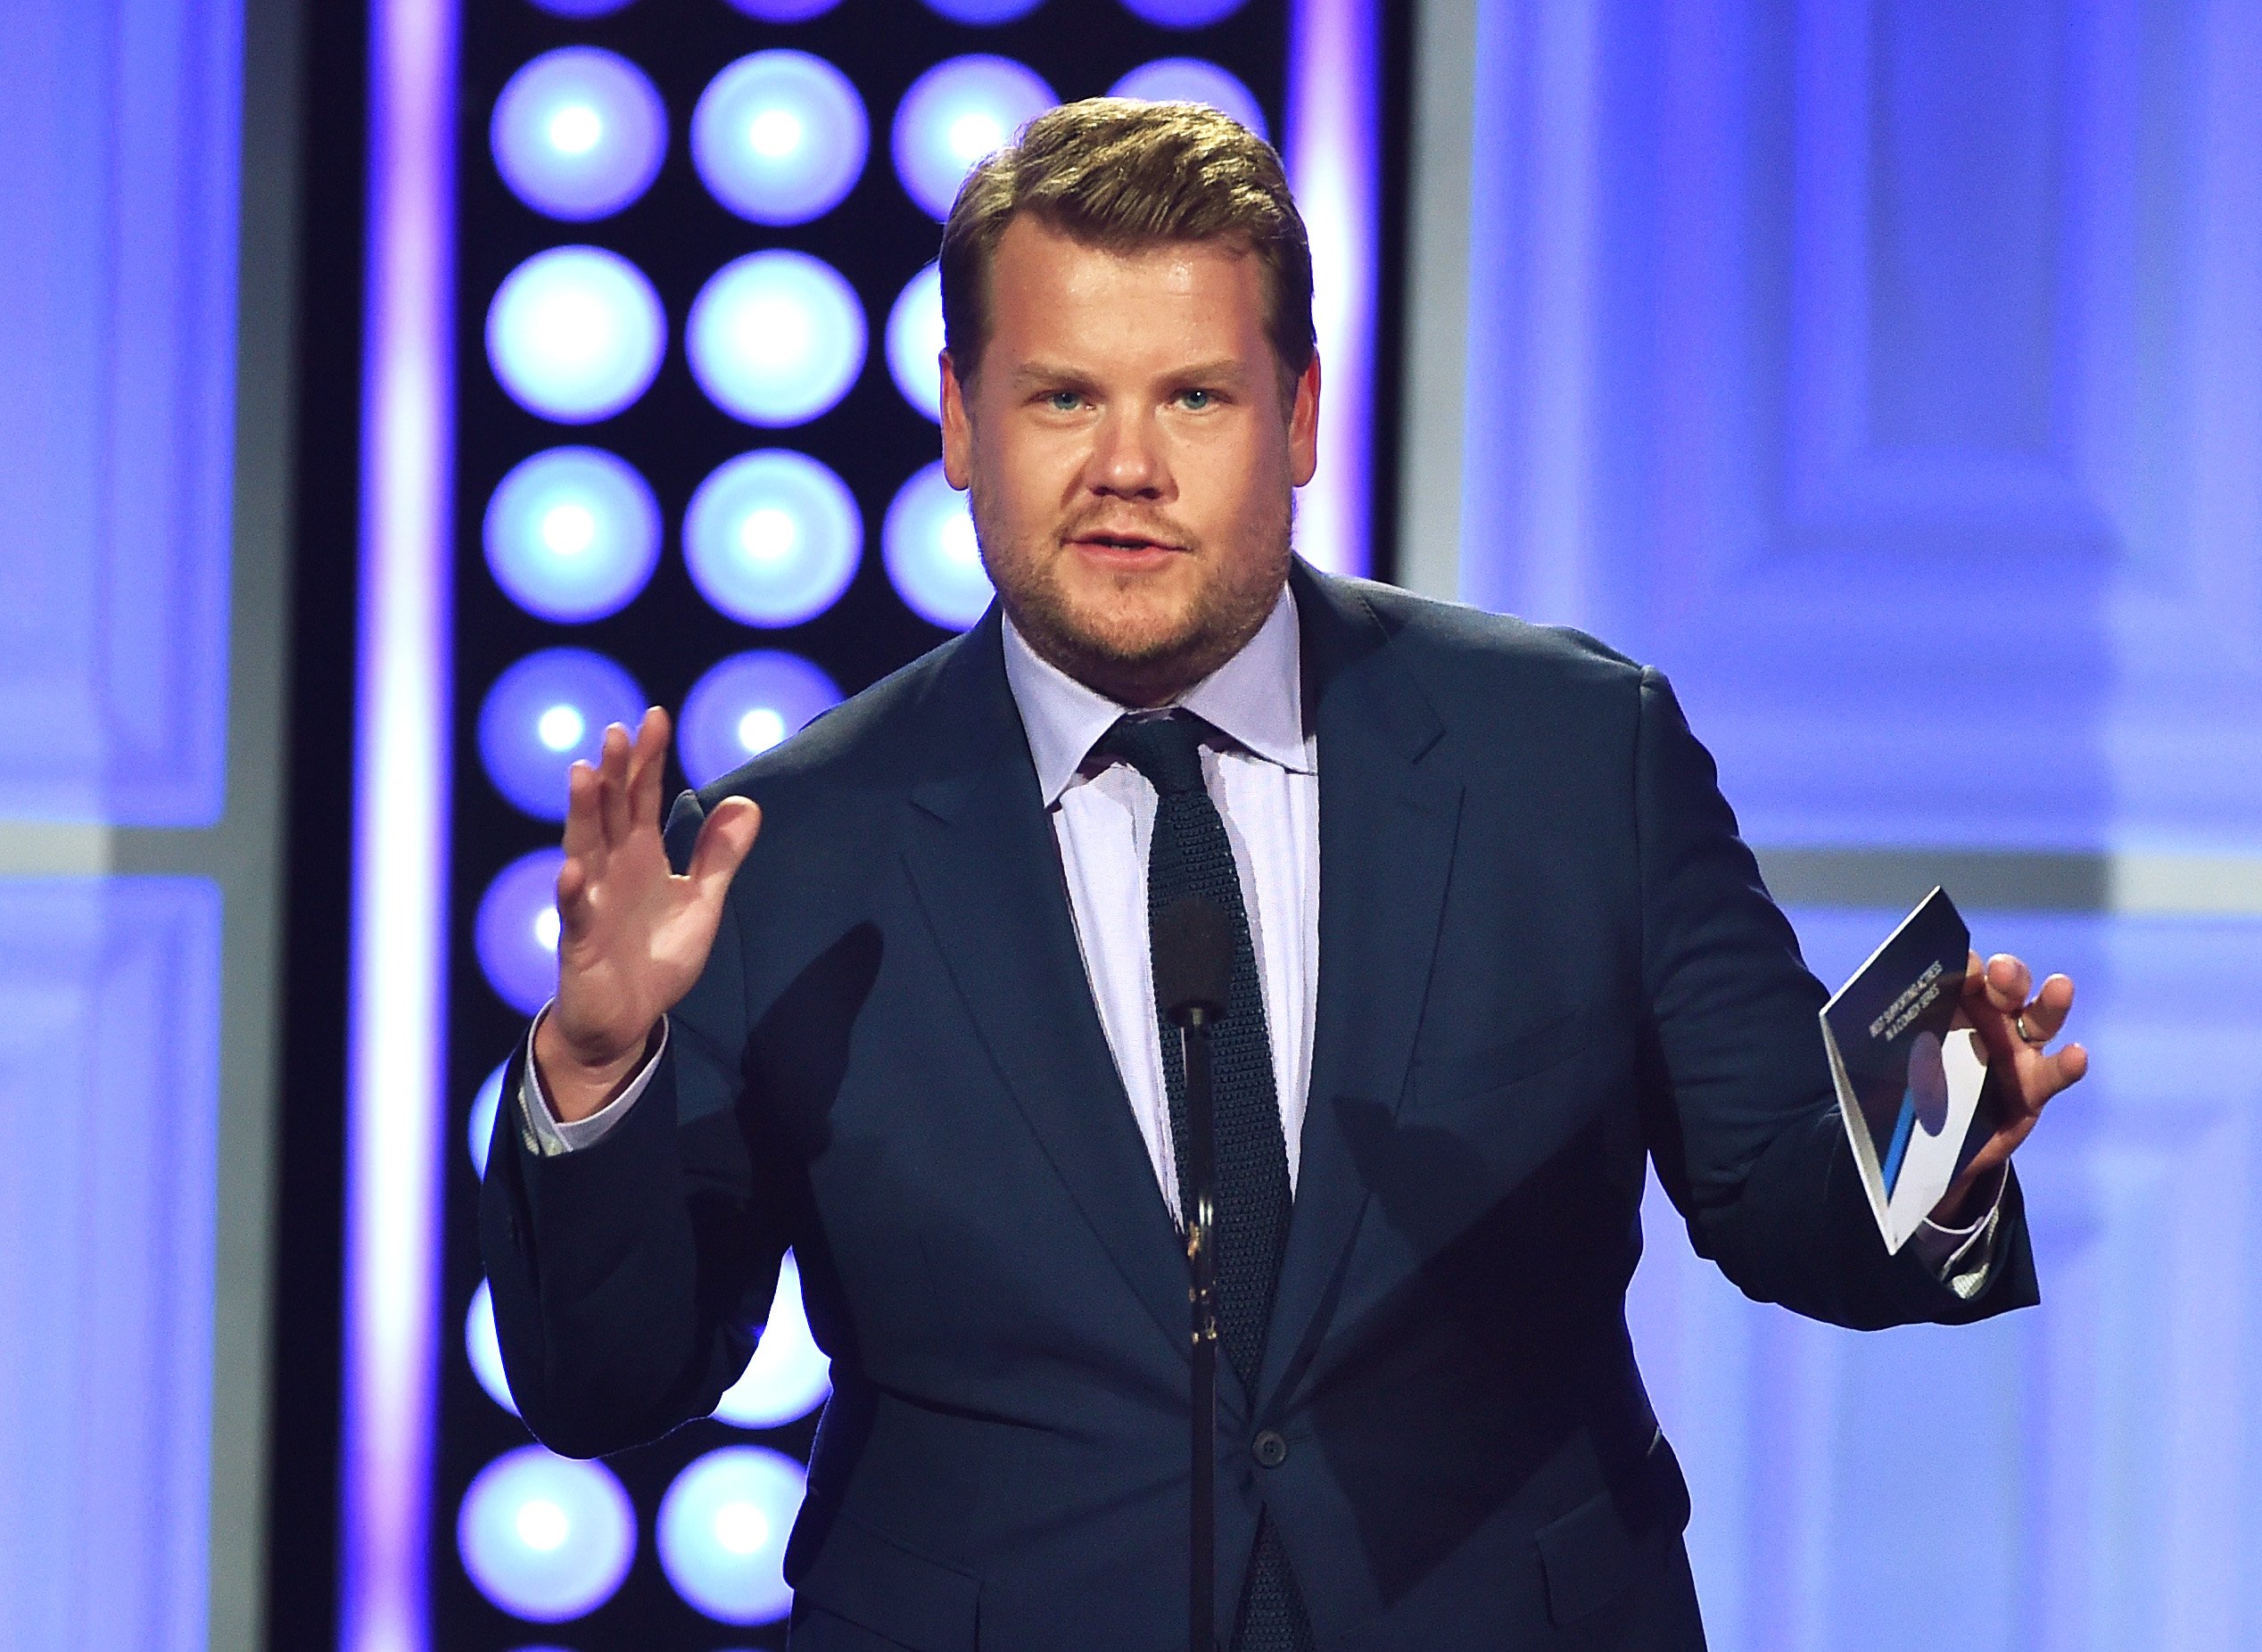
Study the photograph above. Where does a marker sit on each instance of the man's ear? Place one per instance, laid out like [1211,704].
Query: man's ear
[1303,426]
[958,430]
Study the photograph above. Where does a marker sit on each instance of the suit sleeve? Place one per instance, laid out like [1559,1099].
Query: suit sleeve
[1743,1122]
[630,1277]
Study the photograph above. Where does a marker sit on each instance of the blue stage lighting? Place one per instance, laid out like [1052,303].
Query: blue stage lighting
[788,1375]
[955,114]
[979,12]
[1193,80]
[776,338]
[1184,14]
[915,338]
[744,706]
[723,1531]
[578,133]
[784,11]
[779,138]
[572,534]
[575,334]
[544,1537]
[485,1352]
[579,8]
[516,932]
[933,559]
[772,538]
[545,712]
[480,1130]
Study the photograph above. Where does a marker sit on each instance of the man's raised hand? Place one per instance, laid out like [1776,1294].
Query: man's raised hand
[2013,1030]
[632,936]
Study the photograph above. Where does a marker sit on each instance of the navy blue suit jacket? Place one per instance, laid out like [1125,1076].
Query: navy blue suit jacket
[1545,960]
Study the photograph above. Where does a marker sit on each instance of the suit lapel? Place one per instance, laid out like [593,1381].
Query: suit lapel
[983,860]
[1389,812]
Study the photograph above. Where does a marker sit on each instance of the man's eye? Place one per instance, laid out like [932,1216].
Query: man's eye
[1197,399]
[1064,402]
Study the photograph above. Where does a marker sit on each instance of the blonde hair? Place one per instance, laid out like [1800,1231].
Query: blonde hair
[1122,175]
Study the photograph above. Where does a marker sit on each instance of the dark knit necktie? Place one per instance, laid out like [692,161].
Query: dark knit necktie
[1190,856]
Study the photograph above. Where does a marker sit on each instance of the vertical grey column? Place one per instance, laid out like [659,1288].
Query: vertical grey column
[1437,297]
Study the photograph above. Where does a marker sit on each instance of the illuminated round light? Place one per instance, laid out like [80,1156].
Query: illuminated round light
[933,559]
[1193,80]
[578,133]
[776,338]
[572,534]
[789,1375]
[723,1531]
[954,115]
[784,11]
[579,8]
[779,138]
[981,11]
[545,712]
[914,340]
[575,334]
[485,1103]
[484,1350]
[772,538]
[744,706]
[1183,14]
[546,1538]
[516,931]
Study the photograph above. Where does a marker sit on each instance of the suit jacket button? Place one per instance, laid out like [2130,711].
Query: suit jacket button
[1270,1448]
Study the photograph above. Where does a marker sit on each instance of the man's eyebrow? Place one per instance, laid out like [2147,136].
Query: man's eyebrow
[1224,369]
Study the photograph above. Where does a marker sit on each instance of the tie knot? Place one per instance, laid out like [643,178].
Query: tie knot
[1167,750]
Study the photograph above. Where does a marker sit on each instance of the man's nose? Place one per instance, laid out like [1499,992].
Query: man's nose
[1126,457]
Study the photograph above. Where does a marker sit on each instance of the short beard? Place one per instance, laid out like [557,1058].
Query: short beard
[1134,669]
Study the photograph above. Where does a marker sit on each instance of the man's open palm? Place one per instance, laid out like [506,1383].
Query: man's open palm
[632,934]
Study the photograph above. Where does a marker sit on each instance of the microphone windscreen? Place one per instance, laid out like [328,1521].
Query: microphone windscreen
[1193,958]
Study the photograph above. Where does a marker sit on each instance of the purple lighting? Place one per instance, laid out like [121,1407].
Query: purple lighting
[578,133]
[744,706]
[1184,14]
[1193,80]
[954,115]
[779,138]
[546,713]
[1333,105]
[516,932]
[395,1099]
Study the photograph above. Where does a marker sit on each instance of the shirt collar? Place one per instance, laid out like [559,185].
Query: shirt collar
[1256,698]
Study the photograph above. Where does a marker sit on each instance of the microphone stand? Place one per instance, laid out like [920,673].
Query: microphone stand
[1200,1183]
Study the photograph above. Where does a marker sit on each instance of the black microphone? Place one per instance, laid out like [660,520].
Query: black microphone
[1192,941]
[1192,960]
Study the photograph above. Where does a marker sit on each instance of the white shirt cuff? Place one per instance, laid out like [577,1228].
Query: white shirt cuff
[1963,1258]
[545,1134]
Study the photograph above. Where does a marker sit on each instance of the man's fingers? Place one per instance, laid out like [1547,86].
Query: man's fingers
[2045,1016]
[2008,980]
[647,764]
[573,886]
[584,821]
[724,842]
[612,773]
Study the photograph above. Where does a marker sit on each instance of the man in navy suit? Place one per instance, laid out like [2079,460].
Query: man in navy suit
[1496,949]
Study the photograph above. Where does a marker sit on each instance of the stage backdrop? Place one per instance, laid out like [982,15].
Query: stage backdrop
[1888,374]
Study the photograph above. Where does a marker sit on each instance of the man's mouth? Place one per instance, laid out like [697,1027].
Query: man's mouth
[1122,544]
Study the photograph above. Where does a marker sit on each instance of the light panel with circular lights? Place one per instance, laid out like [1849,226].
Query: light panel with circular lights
[1193,80]
[956,114]
[578,133]
[983,13]
[575,334]
[779,138]
[789,1375]
[915,340]
[516,931]
[772,538]
[723,1531]
[546,1538]
[783,10]
[485,1102]
[572,534]
[545,713]
[776,337]
[1184,14]
[744,706]
[933,559]
[485,1352]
